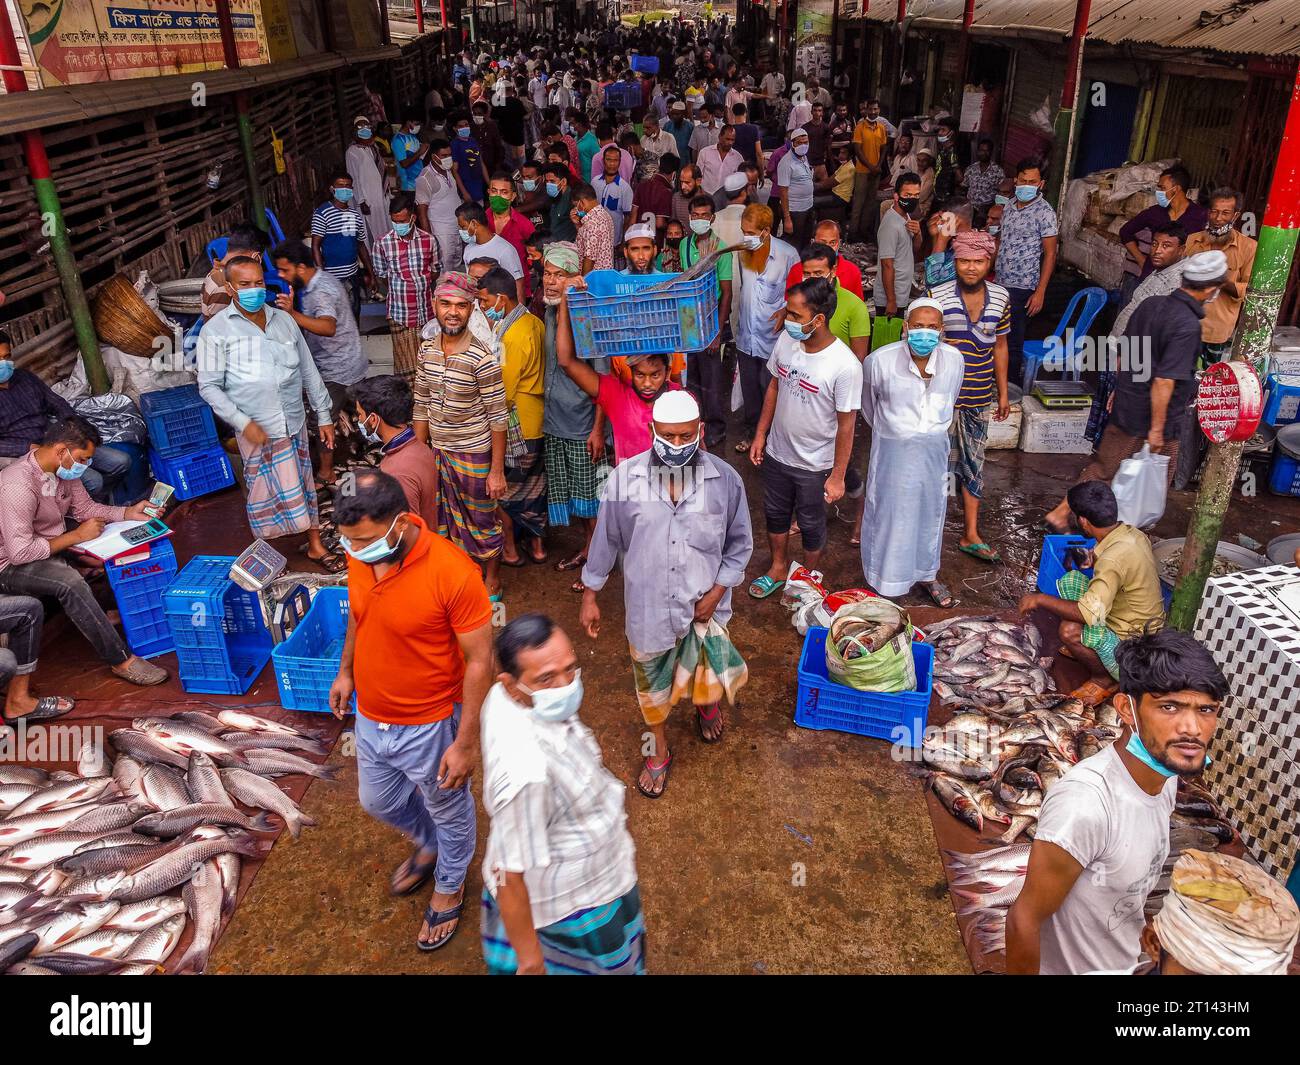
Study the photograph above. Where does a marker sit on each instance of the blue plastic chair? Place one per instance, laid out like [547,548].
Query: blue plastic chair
[1035,351]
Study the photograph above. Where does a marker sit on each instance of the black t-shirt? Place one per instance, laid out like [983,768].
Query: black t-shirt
[747,135]
[1162,339]
[510,118]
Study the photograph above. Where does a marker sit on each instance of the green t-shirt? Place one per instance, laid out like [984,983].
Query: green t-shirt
[690,255]
[852,318]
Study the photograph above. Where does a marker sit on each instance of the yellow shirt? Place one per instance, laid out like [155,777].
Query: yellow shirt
[872,142]
[844,182]
[1220,320]
[1125,591]
[522,371]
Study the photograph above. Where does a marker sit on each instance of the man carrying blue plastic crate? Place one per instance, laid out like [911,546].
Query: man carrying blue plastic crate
[418,655]
[677,598]
[37,496]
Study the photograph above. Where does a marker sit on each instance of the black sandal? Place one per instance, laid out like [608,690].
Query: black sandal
[656,775]
[47,707]
[433,918]
[701,721]
[411,867]
[330,562]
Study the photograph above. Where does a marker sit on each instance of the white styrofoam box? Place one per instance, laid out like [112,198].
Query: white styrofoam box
[1284,363]
[1286,338]
[1003,436]
[1053,432]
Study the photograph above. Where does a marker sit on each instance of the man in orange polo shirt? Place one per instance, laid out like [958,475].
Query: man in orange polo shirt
[418,654]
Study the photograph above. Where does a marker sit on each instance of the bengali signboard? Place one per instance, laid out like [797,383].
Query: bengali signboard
[1229,402]
[79,41]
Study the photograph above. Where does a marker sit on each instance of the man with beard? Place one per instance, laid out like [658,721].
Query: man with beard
[1123,598]
[676,520]
[460,411]
[573,426]
[688,187]
[1103,831]
[976,320]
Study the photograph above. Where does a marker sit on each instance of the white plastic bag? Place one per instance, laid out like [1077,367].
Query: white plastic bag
[1140,486]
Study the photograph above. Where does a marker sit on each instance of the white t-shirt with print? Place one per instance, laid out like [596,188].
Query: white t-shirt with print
[812,387]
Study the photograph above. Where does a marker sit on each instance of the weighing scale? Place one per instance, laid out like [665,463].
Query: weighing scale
[258,569]
[1057,395]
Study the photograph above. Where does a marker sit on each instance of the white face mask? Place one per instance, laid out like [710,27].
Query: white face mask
[557,704]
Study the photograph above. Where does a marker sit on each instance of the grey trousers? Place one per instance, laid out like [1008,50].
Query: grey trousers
[55,579]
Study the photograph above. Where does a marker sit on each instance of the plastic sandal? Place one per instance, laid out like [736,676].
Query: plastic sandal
[701,719]
[433,918]
[765,587]
[411,866]
[657,773]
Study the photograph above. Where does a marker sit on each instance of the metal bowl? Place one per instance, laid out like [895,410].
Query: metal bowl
[1229,552]
[1281,549]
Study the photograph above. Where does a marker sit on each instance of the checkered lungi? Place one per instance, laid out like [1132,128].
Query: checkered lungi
[281,486]
[969,434]
[406,351]
[572,481]
[1099,638]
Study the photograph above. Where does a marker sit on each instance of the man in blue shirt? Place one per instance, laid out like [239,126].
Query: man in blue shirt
[468,153]
[338,240]
[408,151]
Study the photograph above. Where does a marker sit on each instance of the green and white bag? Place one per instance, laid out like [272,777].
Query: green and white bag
[869,647]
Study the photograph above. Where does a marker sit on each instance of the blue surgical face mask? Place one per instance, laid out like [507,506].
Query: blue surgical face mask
[365,133]
[73,472]
[343,195]
[1001,200]
[251,299]
[466,236]
[6,370]
[1162,197]
[463,133]
[553,190]
[557,704]
[494,314]
[796,332]
[530,184]
[1025,193]
[372,554]
[1138,749]
[402,229]
[923,340]
[371,436]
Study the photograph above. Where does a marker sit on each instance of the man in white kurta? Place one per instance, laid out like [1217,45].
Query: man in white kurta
[908,393]
[367,172]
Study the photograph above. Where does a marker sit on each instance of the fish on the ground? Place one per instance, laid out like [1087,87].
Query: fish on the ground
[245,722]
[957,799]
[61,795]
[173,869]
[269,763]
[145,748]
[203,903]
[254,790]
[165,788]
[141,916]
[203,781]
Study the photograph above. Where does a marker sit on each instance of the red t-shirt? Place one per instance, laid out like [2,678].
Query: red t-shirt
[850,277]
[629,416]
[517,231]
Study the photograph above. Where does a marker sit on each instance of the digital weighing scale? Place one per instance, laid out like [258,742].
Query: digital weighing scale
[1056,395]
[258,569]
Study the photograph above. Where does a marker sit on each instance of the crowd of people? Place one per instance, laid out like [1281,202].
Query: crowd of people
[476,218]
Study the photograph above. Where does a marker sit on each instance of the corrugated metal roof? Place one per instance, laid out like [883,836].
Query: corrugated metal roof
[1244,27]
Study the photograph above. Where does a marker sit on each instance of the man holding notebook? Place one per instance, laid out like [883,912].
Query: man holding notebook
[38,494]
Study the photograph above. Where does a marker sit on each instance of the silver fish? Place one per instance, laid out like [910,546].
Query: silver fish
[228,864]
[1013,655]
[253,790]
[963,650]
[183,738]
[203,899]
[92,760]
[280,763]
[175,822]
[126,858]
[127,772]
[102,943]
[237,719]
[24,774]
[65,963]
[141,916]
[15,830]
[73,923]
[45,849]
[12,794]
[13,952]
[242,741]
[198,719]
[999,860]
[92,888]
[1001,899]
[164,788]
[108,817]
[155,946]
[175,868]
[74,794]
[145,748]
[992,680]
[203,781]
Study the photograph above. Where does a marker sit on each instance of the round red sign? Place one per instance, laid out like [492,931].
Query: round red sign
[1229,402]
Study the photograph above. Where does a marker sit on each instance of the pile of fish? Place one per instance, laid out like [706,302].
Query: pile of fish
[90,861]
[986,662]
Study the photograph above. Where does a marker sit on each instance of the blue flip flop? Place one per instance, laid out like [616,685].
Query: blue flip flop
[433,918]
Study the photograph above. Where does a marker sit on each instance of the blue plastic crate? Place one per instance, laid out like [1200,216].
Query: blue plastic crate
[623,95]
[827,704]
[138,587]
[308,661]
[196,474]
[613,317]
[1282,400]
[1051,566]
[179,421]
[645,64]
[1284,475]
[222,643]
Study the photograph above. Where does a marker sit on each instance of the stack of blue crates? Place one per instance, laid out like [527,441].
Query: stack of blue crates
[222,643]
[139,586]
[184,451]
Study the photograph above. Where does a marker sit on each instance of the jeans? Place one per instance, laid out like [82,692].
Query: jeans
[397,772]
[754,379]
[21,618]
[708,383]
[1016,338]
[107,467]
[55,579]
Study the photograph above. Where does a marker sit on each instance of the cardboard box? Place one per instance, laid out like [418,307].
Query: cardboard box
[1053,432]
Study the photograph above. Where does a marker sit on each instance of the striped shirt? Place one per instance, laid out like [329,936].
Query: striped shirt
[462,396]
[557,813]
[410,264]
[340,231]
[975,340]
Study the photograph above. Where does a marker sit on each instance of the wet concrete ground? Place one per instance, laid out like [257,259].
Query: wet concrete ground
[779,850]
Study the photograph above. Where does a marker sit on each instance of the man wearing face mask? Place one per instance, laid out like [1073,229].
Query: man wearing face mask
[909,393]
[38,494]
[1172,205]
[688,187]
[559,872]
[471,162]
[481,242]
[507,223]
[366,168]
[560,204]
[437,195]
[898,239]
[253,367]
[340,240]
[382,409]
[1027,246]
[676,519]
[407,258]
[707,377]
[1103,831]
[418,656]
[408,152]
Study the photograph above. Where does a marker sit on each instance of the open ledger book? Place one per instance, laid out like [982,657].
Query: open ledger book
[109,544]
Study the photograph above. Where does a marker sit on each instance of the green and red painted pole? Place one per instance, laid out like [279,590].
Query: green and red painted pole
[1277,244]
[963,52]
[53,226]
[245,123]
[1063,135]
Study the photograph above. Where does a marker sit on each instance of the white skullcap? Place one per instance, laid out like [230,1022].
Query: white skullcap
[1226,917]
[800,132]
[674,406]
[1205,266]
[735,182]
[923,301]
[361,120]
[642,230]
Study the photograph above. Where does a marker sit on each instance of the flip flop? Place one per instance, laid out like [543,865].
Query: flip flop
[977,551]
[939,594]
[518,563]
[330,562]
[656,774]
[47,707]
[701,719]
[765,586]
[577,562]
[1093,692]
[422,872]
[433,918]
